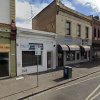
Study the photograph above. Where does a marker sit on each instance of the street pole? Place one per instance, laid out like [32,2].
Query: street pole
[37,71]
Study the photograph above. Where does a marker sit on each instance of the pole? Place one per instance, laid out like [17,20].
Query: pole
[37,71]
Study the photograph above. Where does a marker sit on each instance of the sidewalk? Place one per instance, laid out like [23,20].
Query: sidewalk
[12,89]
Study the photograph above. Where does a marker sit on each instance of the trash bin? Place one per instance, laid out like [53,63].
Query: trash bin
[67,72]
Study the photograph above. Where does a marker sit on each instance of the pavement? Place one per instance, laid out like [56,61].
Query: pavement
[22,87]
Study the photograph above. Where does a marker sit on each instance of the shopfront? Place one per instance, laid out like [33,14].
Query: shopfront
[4,60]
[73,54]
[26,42]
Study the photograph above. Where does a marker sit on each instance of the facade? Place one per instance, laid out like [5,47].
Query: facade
[96,37]
[74,32]
[26,43]
[7,38]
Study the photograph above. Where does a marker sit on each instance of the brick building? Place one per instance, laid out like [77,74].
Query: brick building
[96,36]
[73,29]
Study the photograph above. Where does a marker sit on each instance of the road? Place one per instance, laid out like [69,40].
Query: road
[87,88]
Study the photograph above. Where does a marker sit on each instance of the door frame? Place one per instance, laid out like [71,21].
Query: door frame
[8,64]
[51,59]
[62,52]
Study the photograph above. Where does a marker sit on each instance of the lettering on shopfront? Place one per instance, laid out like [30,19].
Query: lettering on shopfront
[4,46]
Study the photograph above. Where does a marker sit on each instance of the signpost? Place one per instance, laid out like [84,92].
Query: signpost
[37,52]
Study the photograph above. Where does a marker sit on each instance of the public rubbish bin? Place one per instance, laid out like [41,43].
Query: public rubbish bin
[67,72]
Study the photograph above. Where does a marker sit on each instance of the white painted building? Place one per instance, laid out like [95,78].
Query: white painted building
[26,43]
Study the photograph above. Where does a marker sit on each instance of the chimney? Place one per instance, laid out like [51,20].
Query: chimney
[57,1]
[96,17]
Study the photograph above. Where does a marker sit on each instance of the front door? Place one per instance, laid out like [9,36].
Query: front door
[49,61]
[60,59]
[4,64]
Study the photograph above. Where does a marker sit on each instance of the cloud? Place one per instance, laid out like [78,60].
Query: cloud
[25,11]
[94,4]
[68,4]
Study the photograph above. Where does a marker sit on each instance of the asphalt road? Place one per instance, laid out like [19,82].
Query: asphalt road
[87,88]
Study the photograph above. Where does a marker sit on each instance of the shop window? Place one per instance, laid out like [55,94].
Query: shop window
[30,59]
[78,30]
[70,55]
[68,28]
[83,55]
[77,56]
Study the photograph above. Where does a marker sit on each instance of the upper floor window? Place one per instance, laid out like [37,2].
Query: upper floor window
[94,32]
[87,32]
[68,28]
[98,33]
[78,30]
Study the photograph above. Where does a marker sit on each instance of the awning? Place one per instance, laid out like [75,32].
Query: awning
[87,48]
[63,48]
[82,49]
[74,47]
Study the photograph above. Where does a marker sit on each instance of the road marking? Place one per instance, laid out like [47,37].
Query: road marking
[92,93]
[77,83]
[95,96]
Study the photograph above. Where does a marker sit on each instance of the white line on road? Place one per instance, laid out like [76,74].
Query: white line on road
[95,96]
[92,93]
[77,82]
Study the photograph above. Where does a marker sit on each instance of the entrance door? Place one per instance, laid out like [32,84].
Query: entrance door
[60,58]
[49,61]
[4,64]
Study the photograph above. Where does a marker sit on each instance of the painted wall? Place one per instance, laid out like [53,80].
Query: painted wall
[5,11]
[61,20]
[48,44]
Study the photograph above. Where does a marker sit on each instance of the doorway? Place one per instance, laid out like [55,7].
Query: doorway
[49,60]
[60,59]
[4,64]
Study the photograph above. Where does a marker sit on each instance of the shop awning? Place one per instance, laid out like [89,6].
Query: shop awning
[74,47]
[82,49]
[63,48]
[87,48]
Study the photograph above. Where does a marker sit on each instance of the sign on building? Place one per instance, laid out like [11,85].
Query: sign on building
[37,49]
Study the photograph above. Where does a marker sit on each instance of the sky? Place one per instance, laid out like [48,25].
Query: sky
[28,9]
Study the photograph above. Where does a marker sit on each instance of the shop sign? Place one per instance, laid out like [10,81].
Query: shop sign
[33,45]
[84,42]
[30,46]
[4,47]
[68,39]
[37,49]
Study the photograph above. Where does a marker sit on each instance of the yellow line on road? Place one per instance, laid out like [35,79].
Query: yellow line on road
[78,82]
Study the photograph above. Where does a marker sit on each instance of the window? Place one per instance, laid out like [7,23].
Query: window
[70,55]
[98,33]
[83,55]
[77,56]
[78,30]
[68,28]
[94,32]
[29,58]
[87,32]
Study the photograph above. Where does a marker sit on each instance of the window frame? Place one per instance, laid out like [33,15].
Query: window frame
[36,60]
[69,29]
[79,30]
[87,32]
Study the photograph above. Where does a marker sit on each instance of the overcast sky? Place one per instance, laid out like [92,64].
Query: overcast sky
[26,9]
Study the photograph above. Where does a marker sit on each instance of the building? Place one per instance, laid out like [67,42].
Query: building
[27,41]
[73,29]
[95,37]
[7,38]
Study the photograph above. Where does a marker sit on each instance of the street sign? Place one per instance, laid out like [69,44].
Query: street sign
[37,49]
